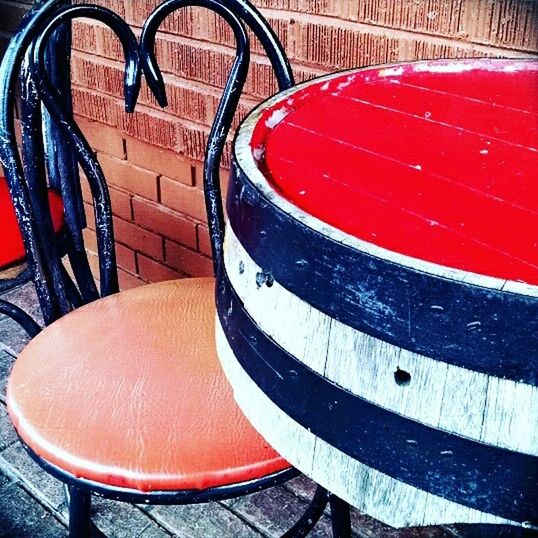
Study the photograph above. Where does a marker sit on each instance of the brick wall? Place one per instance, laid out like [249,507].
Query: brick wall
[153,158]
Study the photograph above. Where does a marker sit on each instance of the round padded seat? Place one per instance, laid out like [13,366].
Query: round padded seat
[127,391]
[12,247]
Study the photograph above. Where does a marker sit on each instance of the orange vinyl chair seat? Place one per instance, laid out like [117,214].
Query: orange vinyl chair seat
[127,391]
[11,244]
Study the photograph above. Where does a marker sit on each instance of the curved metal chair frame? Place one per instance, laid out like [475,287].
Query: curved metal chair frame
[47,155]
[58,294]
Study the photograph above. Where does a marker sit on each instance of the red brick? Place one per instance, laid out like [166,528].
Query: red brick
[18,132]
[95,106]
[96,73]
[194,141]
[84,37]
[152,271]
[102,137]
[138,10]
[90,217]
[188,200]
[164,221]
[339,45]
[204,245]
[93,260]
[159,160]
[336,8]
[194,60]
[90,239]
[118,6]
[108,43]
[138,239]
[152,127]
[420,49]
[127,176]
[502,23]
[128,280]
[125,258]
[121,203]
[119,200]
[437,17]
[186,99]
[85,187]
[187,261]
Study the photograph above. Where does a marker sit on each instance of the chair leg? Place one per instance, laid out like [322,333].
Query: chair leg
[311,516]
[340,516]
[79,513]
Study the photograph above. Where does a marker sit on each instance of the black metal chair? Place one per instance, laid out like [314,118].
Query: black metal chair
[121,394]
[51,173]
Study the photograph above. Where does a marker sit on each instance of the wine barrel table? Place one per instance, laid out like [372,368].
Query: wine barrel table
[378,306]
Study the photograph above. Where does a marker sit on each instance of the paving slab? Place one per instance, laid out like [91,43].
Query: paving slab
[7,432]
[122,520]
[12,336]
[207,520]
[274,511]
[6,362]
[25,297]
[22,517]
[40,484]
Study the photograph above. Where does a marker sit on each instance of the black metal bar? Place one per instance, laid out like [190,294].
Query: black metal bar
[79,513]
[185,496]
[21,317]
[340,517]
[9,156]
[225,111]
[36,180]
[311,516]
[52,99]
[62,165]
[269,40]
[61,159]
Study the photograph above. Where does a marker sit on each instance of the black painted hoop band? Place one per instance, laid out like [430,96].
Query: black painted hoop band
[488,478]
[480,329]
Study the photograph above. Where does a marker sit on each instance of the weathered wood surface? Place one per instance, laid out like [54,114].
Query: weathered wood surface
[447,347]
[372,492]
[488,409]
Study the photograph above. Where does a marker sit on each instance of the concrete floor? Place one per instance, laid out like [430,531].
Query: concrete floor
[32,503]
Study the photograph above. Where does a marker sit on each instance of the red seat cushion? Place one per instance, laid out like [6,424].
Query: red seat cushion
[128,391]
[11,245]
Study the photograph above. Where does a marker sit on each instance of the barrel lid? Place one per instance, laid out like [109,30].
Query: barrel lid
[436,161]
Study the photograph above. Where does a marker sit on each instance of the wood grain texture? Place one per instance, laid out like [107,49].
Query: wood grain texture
[436,345]
[375,493]
[491,410]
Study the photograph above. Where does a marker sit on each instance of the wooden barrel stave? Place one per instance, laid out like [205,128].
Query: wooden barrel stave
[384,498]
[362,322]
[484,408]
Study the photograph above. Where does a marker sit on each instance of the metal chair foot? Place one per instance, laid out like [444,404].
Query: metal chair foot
[311,516]
[340,516]
[79,512]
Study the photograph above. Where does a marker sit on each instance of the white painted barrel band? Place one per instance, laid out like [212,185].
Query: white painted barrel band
[472,326]
[484,408]
[483,477]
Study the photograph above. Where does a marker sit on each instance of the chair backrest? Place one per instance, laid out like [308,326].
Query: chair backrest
[28,57]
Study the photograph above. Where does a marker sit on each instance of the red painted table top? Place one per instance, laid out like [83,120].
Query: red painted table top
[435,160]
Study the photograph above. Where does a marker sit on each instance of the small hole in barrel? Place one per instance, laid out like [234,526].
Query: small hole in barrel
[402,377]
